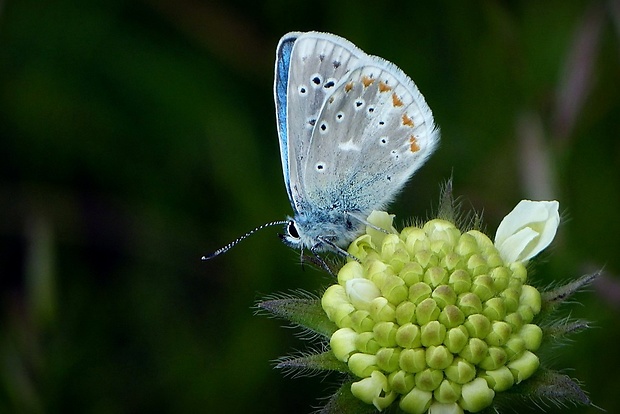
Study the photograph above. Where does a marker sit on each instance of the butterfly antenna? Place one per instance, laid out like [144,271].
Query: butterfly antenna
[235,242]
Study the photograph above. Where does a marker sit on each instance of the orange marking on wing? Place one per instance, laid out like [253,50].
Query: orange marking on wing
[407,121]
[414,147]
[383,87]
[367,81]
[396,100]
[348,87]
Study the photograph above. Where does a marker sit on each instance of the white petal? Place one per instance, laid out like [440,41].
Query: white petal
[527,230]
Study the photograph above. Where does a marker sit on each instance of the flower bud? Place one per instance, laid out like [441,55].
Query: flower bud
[382,220]
[438,357]
[419,292]
[385,333]
[401,381]
[394,289]
[336,304]
[494,309]
[474,351]
[416,401]
[530,296]
[387,359]
[381,310]
[360,292]
[519,272]
[477,265]
[412,360]
[456,339]
[501,277]
[460,371]
[365,342]
[351,270]
[435,276]
[342,343]
[514,347]
[412,273]
[408,336]
[438,229]
[361,321]
[426,258]
[391,243]
[466,246]
[451,261]
[428,379]
[532,336]
[416,240]
[478,325]
[500,379]
[476,395]
[444,296]
[370,390]
[448,392]
[524,366]
[469,303]
[405,313]
[483,287]
[433,333]
[500,333]
[427,311]
[451,316]
[362,365]
[495,358]
[511,299]
[460,280]
[515,320]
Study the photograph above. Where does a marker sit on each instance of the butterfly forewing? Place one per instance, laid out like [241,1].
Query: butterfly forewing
[316,66]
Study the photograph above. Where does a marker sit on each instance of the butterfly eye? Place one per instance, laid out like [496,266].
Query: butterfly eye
[291,229]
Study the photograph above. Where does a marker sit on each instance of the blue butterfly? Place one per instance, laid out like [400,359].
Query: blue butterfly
[353,129]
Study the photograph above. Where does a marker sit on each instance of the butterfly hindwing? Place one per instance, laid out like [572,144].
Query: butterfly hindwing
[309,67]
[372,133]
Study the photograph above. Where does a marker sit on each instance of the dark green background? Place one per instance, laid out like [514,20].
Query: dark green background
[138,135]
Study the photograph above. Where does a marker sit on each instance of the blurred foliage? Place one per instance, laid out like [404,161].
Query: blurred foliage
[139,135]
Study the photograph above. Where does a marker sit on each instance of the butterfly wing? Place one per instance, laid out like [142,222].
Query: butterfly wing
[309,67]
[373,132]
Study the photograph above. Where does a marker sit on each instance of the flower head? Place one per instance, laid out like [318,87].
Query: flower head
[444,309]
[436,319]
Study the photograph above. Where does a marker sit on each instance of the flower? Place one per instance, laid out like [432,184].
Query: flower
[437,319]
[527,230]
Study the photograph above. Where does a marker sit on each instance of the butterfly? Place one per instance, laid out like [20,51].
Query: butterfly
[353,128]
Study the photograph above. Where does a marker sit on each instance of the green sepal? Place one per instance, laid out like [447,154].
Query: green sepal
[545,386]
[561,329]
[305,312]
[343,402]
[553,298]
[325,361]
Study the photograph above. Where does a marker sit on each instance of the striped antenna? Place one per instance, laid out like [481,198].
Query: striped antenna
[248,234]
